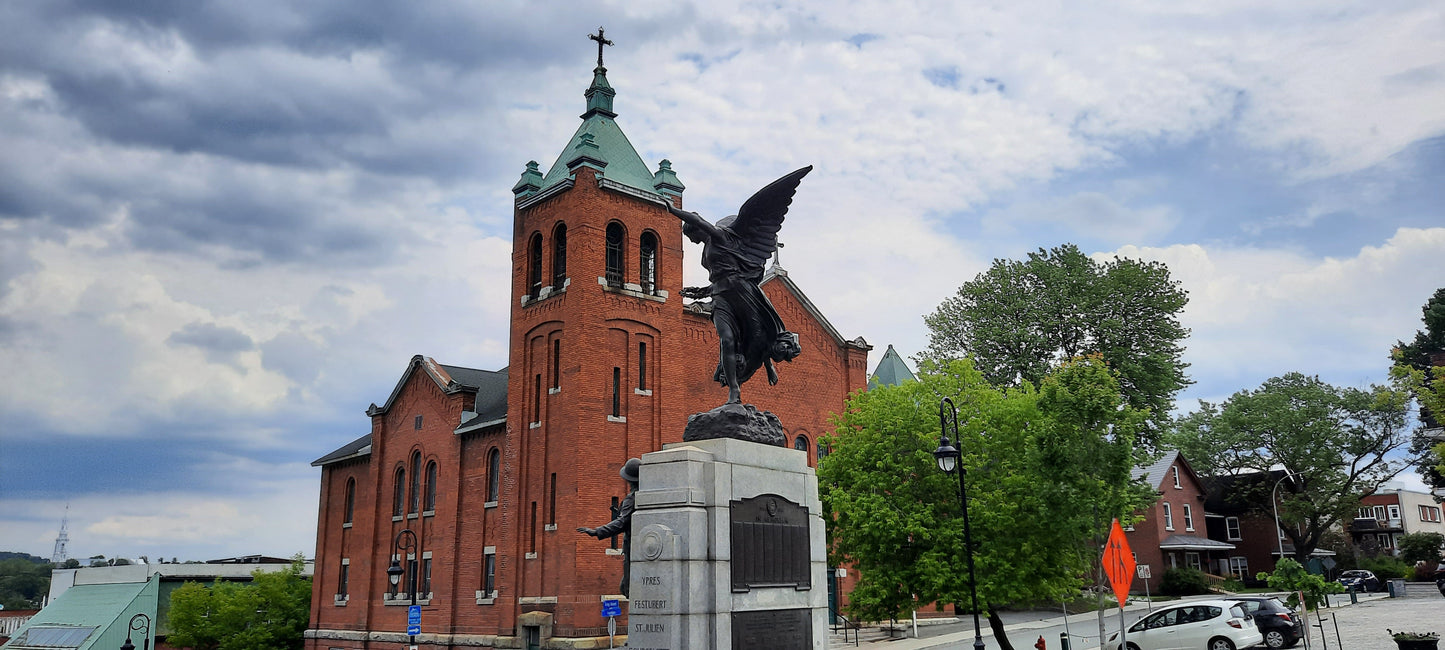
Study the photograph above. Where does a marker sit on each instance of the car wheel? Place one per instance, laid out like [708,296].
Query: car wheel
[1274,639]
[1133,647]
[1221,643]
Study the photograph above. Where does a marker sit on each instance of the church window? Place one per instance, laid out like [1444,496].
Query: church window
[552,501]
[537,398]
[559,256]
[532,531]
[494,474]
[647,264]
[801,443]
[416,423]
[556,363]
[534,266]
[430,503]
[350,501]
[822,450]
[399,494]
[344,578]
[489,574]
[616,392]
[415,482]
[425,590]
[642,365]
[615,238]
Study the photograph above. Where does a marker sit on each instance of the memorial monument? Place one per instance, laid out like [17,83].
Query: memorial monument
[727,527]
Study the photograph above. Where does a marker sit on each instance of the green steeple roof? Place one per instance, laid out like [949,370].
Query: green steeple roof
[891,371]
[599,143]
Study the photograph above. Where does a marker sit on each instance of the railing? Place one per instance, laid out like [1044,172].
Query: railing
[845,625]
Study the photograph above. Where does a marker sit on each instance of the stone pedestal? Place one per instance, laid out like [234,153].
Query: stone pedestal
[727,550]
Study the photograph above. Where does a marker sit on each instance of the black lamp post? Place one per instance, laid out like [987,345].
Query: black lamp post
[145,640]
[394,572]
[948,458]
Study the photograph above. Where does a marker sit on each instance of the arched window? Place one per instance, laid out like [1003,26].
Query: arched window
[615,238]
[350,500]
[399,496]
[430,502]
[494,474]
[559,256]
[415,482]
[801,443]
[647,263]
[534,266]
[822,450]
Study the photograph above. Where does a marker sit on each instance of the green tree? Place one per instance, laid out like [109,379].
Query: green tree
[1421,547]
[268,613]
[1290,576]
[24,581]
[1020,319]
[1038,461]
[1420,366]
[1339,444]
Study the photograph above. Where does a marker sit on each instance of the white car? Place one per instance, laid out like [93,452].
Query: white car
[1195,625]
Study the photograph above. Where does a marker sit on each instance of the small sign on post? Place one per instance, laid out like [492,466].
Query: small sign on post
[611,609]
[1119,566]
[413,620]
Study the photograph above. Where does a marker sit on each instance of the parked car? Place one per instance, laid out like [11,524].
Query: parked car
[1360,580]
[1195,625]
[1281,627]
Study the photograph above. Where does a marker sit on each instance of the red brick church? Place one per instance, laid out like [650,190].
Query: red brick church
[493,470]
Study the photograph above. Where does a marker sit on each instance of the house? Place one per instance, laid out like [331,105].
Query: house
[473,481]
[1386,516]
[1242,514]
[1173,532]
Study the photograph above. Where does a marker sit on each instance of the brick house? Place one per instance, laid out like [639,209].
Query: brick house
[1173,532]
[493,470]
[1386,516]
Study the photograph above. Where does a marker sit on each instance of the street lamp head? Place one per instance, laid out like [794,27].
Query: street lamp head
[946,455]
[127,645]
[393,572]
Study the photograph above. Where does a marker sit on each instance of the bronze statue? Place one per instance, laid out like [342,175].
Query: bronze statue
[621,523]
[735,250]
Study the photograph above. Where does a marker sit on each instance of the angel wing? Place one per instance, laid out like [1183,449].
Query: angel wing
[762,215]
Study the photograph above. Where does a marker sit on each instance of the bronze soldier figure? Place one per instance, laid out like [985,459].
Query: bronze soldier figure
[623,523]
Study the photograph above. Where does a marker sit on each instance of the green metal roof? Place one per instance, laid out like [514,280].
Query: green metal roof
[88,616]
[891,371]
[599,143]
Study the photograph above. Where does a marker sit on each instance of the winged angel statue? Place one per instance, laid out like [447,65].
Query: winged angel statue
[735,250]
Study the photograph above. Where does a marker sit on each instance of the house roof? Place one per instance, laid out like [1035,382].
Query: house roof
[1154,473]
[891,370]
[1239,493]
[1192,543]
[80,617]
[489,386]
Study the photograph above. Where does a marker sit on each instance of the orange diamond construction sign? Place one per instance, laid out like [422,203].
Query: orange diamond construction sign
[1119,563]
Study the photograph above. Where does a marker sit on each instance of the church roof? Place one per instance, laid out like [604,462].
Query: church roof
[891,371]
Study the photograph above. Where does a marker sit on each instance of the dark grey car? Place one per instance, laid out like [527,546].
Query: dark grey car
[1281,627]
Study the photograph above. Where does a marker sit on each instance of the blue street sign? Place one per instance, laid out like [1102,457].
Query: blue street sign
[413,620]
[611,608]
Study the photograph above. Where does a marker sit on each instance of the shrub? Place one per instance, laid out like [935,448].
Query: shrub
[1387,568]
[1184,581]
[1232,585]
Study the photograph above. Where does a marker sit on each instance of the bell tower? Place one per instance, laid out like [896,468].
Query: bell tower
[595,343]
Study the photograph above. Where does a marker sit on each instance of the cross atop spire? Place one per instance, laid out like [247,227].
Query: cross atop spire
[601,39]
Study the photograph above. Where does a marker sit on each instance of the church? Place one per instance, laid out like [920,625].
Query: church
[472,482]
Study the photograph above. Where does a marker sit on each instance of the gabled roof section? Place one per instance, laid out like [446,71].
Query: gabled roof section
[358,448]
[777,273]
[87,616]
[1157,473]
[451,379]
[891,370]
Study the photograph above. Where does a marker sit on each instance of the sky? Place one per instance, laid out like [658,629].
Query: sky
[225,228]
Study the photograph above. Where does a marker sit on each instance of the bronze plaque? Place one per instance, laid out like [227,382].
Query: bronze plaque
[774,629]
[769,544]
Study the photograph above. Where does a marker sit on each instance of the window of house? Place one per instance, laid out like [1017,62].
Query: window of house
[537,399]
[1394,512]
[1231,528]
[647,263]
[1188,517]
[1429,513]
[801,443]
[1366,513]
[398,502]
[615,238]
[534,266]
[641,365]
[1384,540]
[616,392]
[343,580]
[416,423]
[350,501]
[556,363]
[415,482]
[1239,567]
[1168,517]
[1176,477]
[489,573]
[430,503]
[1191,559]
[559,256]
[552,501]
[425,589]
[532,531]
[1379,512]
[494,474]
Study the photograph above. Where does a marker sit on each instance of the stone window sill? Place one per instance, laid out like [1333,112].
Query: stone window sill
[616,418]
[614,551]
[428,513]
[534,425]
[486,599]
[549,527]
[634,290]
[411,515]
[646,392]
[554,390]
[341,600]
[531,556]
[489,504]
[396,517]
[545,293]
[405,599]
[346,525]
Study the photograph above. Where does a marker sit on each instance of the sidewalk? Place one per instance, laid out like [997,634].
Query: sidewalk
[1084,628]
